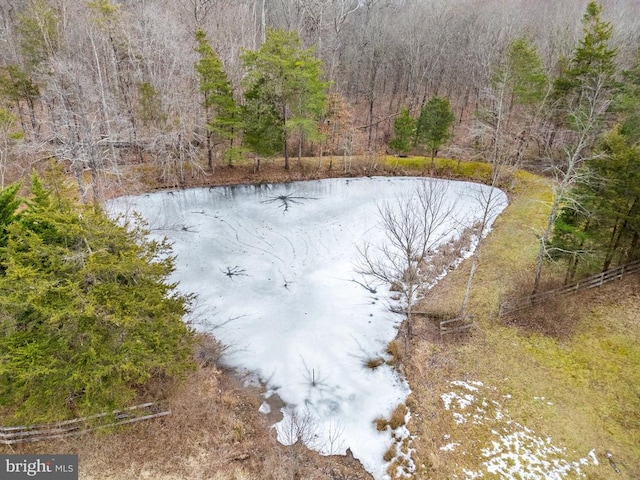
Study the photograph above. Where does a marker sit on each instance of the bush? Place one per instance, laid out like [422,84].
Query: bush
[555,316]
[373,363]
[208,351]
[88,317]
[398,416]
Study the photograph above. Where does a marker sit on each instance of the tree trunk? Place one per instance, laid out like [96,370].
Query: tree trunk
[467,292]
[369,140]
[543,246]
[105,109]
[634,246]
[34,122]
[571,269]
[209,151]
[286,143]
[612,246]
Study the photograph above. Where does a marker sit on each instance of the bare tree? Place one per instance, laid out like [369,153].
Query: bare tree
[567,172]
[491,201]
[297,426]
[583,94]
[198,10]
[413,227]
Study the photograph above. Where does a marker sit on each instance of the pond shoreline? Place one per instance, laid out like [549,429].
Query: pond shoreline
[146,178]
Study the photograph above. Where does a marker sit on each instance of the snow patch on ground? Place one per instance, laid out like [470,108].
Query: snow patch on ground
[515,451]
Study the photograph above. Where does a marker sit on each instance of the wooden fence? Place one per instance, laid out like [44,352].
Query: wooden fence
[455,325]
[593,281]
[80,426]
[448,324]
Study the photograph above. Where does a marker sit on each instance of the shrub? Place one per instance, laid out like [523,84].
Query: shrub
[88,317]
[208,351]
[373,363]
[381,424]
[398,416]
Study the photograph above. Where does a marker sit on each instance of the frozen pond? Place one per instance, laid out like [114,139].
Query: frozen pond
[273,268]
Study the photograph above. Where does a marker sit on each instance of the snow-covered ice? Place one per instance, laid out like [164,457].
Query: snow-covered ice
[273,268]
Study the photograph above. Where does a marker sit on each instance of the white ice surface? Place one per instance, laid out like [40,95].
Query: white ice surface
[294,315]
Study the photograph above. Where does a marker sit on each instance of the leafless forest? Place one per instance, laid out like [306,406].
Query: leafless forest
[101,83]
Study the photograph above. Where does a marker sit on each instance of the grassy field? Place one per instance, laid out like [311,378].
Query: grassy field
[576,384]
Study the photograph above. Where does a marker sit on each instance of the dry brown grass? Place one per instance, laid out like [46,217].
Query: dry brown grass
[581,354]
[373,363]
[381,424]
[214,432]
[389,454]
[398,417]
[395,350]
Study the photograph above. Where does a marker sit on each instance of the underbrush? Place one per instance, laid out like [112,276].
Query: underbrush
[150,176]
[215,431]
[556,316]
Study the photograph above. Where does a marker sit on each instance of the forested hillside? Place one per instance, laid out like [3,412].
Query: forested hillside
[98,83]
[185,85]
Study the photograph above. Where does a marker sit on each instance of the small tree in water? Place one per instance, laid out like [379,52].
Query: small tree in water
[413,227]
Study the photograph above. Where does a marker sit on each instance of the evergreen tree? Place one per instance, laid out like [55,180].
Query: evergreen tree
[9,203]
[150,105]
[433,128]
[38,28]
[286,79]
[223,115]
[608,190]
[525,73]
[88,316]
[607,224]
[17,86]
[8,135]
[583,94]
[404,131]
[591,72]
[264,134]
[618,198]
[627,102]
